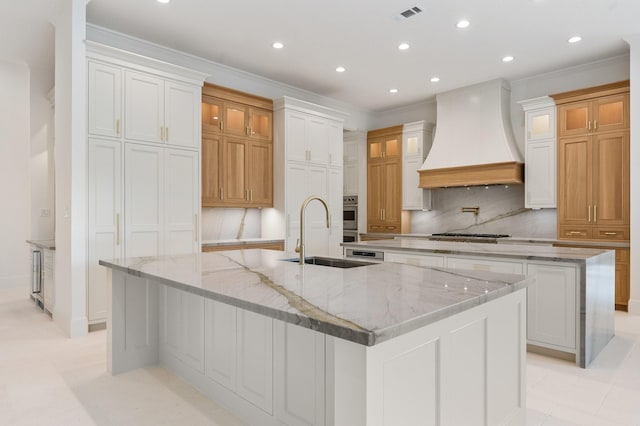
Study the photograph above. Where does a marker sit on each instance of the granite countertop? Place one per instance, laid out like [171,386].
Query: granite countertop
[234,242]
[366,305]
[45,244]
[513,251]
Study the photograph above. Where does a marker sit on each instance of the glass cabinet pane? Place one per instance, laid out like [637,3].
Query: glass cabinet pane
[375,149]
[392,148]
[412,145]
[235,119]
[576,118]
[540,125]
[211,115]
[260,124]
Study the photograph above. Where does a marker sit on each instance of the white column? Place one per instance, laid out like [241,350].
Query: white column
[634,276]
[71,165]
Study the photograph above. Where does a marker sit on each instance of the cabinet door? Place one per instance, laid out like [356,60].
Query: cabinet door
[193,330]
[220,343]
[375,149]
[392,187]
[411,193]
[172,321]
[415,260]
[574,181]
[255,359]
[296,136]
[144,200]
[350,152]
[211,173]
[393,147]
[105,226]
[316,238]
[335,209]
[299,375]
[260,174]
[318,140]
[260,124]
[350,184]
[574,118]
[611,113]
[611,178]
[234,172]
[551,306]
[540,174]
[48,280]
[375,196]
[181,114]
[235,119]
[211,113]
[144,107]
[105,100]
[181,201]
[540,124]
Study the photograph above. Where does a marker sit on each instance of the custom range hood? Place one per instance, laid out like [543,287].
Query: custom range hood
[474,143]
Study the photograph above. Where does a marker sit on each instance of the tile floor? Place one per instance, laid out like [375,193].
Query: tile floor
[46,378]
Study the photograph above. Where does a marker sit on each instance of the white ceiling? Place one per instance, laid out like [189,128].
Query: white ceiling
[361,35]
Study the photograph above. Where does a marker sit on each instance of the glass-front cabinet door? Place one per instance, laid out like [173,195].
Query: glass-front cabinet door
[575,118]
[260,123]
[611,113]
[235,119]
[541,124]
[211,114]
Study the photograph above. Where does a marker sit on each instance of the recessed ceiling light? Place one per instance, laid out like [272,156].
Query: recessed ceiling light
[435,79]
[341,69]
[507,59]
[463,23]
[277,45]
[393,90]
[163,1]
[403,46]
[574,39]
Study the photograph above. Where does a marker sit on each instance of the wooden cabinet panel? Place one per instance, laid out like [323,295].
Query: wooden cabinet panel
[392,206]
[234,173]
[260,124]
[611,178]
[235,119]
[375,183]
[260,174]
[574,181]
[211,182]
[574,119]
[211,114]
[611,113]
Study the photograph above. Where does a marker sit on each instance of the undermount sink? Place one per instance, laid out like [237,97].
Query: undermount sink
[331,262]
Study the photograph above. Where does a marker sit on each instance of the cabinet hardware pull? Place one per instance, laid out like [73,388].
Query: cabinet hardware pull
[610,233]
[595,213]
[118,126]
[380,214]
[248,131]
[195,236]
[589,216]
[251,195]
[595,124]
[221,125]
[589,125]
[574,232]
[117,229]
[221,193]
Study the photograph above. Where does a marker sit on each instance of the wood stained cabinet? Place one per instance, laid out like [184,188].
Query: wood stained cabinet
[384,182]
[237,149]
[593,170]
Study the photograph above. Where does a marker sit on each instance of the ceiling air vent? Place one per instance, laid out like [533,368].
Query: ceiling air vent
[411,11]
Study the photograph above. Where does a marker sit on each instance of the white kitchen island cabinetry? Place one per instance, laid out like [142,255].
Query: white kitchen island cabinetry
[144,162]
[307,161]
[569,308]
[295,345]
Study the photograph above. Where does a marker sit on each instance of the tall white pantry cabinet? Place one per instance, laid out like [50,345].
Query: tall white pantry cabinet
[144,162]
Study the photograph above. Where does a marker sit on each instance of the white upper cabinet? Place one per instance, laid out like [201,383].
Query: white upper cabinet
[313,139]
[335,143]
[105,100]
[416,143]
[161,111]
[540,153]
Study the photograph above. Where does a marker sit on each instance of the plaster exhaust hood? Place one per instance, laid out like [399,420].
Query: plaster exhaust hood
[474,143]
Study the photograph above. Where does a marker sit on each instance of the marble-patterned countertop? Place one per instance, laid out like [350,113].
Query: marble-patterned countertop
[243,241]
[366,305]
[45,244]
[513,251]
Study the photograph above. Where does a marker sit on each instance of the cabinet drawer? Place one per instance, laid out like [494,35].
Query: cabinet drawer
[375,228]
[614,234]
[572,232]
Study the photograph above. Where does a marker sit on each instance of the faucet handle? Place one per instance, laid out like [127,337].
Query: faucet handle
[297,249]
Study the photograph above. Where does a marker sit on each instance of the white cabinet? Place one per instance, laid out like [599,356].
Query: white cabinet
[183,326]
[416,143]
[299,375]
[540,153]
[161,199]
[307,161]
[221,343]
[105,100]
[161,111]
[415,259]
[350,164]
[105,219]
[48,279]
[551,306]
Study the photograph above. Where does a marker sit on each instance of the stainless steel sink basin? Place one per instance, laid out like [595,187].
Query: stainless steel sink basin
[331,262]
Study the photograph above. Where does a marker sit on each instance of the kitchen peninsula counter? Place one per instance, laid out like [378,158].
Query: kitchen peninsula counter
[278,343]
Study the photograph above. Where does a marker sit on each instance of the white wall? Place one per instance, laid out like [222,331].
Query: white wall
[14,175]
[71,168]
[634,278]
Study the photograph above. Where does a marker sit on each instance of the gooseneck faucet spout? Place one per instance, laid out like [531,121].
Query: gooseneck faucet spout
[300,248]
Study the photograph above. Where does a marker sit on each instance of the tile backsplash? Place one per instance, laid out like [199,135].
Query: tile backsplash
[501,211]
[228,224]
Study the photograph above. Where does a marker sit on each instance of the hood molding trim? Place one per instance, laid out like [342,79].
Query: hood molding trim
[474,175]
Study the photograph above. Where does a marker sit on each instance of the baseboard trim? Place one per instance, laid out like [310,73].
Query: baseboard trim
[551,352]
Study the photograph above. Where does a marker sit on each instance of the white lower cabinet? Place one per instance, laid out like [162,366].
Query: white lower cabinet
[220,343]
[551,306]
[299,375]
[485,265]
[415,259]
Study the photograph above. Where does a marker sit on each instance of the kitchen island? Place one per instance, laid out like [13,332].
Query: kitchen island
[571,307]
[277,343]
